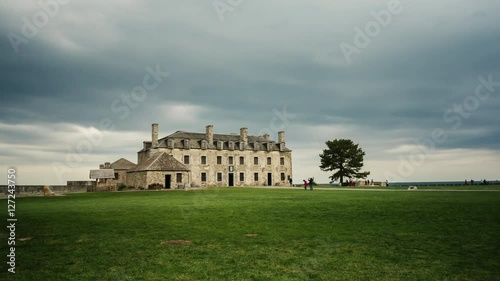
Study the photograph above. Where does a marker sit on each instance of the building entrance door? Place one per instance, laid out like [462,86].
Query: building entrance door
[230,177]
[269,179]
[168,180]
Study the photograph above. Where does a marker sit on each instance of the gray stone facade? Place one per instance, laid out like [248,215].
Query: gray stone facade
[208,159]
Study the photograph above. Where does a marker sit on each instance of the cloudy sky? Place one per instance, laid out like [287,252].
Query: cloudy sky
[415,83]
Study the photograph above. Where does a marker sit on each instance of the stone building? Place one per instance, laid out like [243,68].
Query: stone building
[109,175]
[206,159]
[161,169]
[120,167]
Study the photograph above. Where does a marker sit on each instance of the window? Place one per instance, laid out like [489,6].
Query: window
[256,160]
[230,160]
[116,176]
[219,177]
[219,160]
[203,144]
[179,177]
[219,145]
[231,145]
[203,160]
[242,160]
[203,177]
[170,143]
[242,176]
[256,176]
[242,145]
[282,176]
[282,161]
[268,160]
[256,146]
[186,159]
[186,144]
[282,146]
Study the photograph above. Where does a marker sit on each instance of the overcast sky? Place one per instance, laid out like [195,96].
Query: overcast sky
[82,81]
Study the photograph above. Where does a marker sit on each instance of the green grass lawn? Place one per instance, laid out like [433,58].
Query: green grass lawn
[301,235]
[431,187]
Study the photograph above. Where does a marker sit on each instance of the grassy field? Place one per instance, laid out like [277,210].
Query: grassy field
[300,235]
[431,187]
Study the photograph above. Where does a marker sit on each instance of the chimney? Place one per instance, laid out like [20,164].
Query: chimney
[244,135]
[281,136]
[101,166]
[266,136]
[107,165]
[154,135]
[210,135]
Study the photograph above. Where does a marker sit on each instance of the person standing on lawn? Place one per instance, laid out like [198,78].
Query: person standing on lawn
[311,182]
[305,184]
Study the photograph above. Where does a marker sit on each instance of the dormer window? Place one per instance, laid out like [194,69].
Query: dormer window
[269,146]
[231,145]
[187,144]
[282,146]
[170,143]
[256,146]
[242,145]
[219,145]
[203,144]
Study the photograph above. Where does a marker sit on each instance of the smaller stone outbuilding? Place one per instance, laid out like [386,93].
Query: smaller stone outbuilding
[103,178]
[121,166]
[161,170]
[110,175]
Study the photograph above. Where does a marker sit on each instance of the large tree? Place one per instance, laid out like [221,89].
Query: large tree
[345,157]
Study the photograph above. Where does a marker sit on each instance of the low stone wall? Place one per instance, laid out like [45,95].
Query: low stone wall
[71,187]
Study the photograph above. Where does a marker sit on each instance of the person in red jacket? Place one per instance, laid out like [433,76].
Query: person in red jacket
[305,184]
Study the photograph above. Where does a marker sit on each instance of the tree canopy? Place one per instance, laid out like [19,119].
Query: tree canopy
[345,157]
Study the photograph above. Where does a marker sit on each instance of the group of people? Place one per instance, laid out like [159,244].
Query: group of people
[367,182]
[310,182]
[472,182]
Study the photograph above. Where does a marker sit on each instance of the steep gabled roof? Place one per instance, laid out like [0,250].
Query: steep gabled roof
[160,161]
[102,174]
[122,164]
[196,139]
[217,137]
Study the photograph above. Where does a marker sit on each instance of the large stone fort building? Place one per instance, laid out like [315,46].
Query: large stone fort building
[185,159]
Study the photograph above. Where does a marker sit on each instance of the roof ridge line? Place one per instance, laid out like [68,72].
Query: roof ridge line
[159,154]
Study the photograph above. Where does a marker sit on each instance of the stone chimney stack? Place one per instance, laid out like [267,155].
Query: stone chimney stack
[107,165]
[266,136]
[281,137]
[154,135]
[244,135]
[210,135]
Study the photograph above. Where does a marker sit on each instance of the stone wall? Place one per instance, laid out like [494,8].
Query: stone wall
[137,179]
[145,178]
[71,187]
